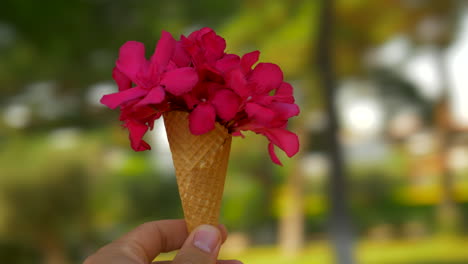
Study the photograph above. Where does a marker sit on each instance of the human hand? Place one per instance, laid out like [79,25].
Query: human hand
[146,242]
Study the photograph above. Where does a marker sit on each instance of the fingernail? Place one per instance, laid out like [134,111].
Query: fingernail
[206,238]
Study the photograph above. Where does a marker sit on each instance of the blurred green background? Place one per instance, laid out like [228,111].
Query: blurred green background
[70,183]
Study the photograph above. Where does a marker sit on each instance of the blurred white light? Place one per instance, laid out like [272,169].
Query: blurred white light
[404,123]
[47,102]
[17,115]
[363,117]
[422,143]
[64,138]
[369,151]
[391,53]
[315,165]
[96,92]
[458,158]
[421,69]
[457,60]
[161,151]
[57,107]
[115,158]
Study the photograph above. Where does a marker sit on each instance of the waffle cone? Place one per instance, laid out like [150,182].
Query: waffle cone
[200,164]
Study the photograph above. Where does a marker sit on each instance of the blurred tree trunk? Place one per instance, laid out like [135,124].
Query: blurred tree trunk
[292,219]
[264,175]
[447,210]
[340,226]
[291,229]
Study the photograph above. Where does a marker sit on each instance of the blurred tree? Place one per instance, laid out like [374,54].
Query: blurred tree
[445,18]
[49,206]
[58,199]
[75,43]
[429,23]
[340,222]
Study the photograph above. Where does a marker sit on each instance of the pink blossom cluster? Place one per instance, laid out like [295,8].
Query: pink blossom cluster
[196,75]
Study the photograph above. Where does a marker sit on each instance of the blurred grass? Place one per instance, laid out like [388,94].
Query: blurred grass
[438,250]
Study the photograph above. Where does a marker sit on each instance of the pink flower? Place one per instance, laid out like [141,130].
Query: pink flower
[265,114]
[152,78]
[204,47]
[268,115]
[210,98]
[196,75]
[207,101]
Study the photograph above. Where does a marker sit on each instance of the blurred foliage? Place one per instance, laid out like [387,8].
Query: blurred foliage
[74,42]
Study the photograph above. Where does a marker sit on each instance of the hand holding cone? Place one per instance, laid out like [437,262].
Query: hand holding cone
[206,96]
[200,163]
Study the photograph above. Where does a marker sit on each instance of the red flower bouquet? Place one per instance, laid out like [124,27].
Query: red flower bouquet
[205,96]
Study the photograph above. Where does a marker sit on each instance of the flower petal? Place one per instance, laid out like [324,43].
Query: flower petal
[164,51]
[123,82]
[144,115]
[268,76]
[284,89]
[227,63]
[180,81]
[202,119]
[248,60]
[284,139]
[259,113]
[274,158]
[131,58]
[238,83]
[136,132]
[115,99]
[214,46]
[181,57]
[211,89]
[196,35]
[262,99]
[155,96]
[226,103]
[284,111]
[284,93]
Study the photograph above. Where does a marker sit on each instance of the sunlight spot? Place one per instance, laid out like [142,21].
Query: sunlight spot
[17,115]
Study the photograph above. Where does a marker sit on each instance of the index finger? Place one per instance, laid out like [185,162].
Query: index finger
[156,237]
[145,242]
[162,236]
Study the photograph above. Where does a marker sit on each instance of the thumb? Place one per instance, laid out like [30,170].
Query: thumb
[201,247]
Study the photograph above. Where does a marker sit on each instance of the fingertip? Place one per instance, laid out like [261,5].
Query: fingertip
[202,246]
[207,238]
[224,232]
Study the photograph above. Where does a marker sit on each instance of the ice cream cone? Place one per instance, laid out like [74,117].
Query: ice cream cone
[200,163]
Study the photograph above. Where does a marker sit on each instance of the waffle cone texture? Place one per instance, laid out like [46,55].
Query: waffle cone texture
[200,163]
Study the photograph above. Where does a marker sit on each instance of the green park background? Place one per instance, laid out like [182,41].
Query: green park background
[381,177]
